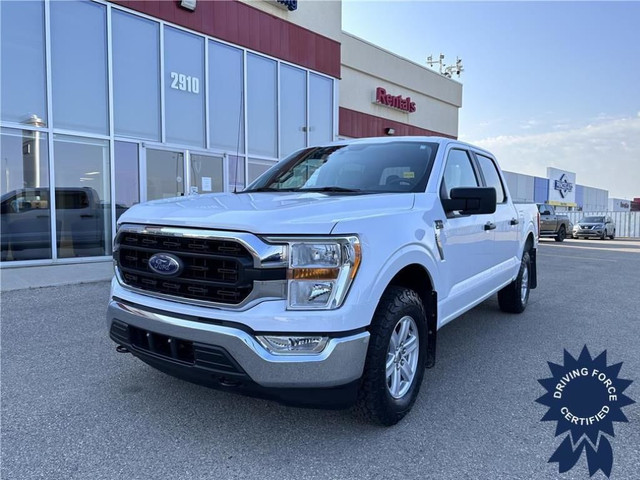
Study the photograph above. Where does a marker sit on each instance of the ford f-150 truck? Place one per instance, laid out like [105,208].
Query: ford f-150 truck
[553,224]
[326,280]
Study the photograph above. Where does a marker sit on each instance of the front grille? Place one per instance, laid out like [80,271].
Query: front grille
[214,270]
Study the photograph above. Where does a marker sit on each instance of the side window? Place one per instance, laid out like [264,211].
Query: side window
[458,172]
[492,177]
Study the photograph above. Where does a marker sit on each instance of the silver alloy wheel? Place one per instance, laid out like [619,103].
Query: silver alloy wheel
[524,284]
[402,356]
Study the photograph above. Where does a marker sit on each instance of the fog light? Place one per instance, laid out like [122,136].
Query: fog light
[293,345]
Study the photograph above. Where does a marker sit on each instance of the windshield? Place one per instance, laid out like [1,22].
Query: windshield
[356,168]
[592,220]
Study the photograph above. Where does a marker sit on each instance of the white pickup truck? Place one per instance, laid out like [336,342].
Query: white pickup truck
[326,280]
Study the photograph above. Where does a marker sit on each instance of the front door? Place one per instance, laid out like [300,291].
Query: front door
[164,173]
[206,173]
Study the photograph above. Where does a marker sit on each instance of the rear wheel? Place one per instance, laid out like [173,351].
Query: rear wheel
[561,235]
[395,359]
[514,297]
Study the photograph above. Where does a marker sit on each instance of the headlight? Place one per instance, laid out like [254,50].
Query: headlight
[320,271]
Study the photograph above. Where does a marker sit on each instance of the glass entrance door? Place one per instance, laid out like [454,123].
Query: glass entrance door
[165,173]
[206,173]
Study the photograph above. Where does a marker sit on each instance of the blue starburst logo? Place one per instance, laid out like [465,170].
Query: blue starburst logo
[585,397]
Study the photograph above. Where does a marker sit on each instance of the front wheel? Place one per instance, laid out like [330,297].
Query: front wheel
[613,235]
[514,297]
[395,359]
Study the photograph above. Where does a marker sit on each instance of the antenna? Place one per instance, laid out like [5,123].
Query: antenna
[240,121]
[446,70]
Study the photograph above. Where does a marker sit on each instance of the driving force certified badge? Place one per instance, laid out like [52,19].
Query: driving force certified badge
[585,396]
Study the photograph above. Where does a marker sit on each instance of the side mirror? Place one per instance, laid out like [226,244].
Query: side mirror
[546,212]
[471,200]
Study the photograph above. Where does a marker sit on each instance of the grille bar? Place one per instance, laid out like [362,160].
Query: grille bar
[213,270]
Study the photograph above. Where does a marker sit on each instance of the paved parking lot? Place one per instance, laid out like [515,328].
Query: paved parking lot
[74,408]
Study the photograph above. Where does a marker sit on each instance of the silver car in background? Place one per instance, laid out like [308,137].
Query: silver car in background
[600,227]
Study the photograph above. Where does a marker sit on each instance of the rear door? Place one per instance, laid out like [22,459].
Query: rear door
[505,247]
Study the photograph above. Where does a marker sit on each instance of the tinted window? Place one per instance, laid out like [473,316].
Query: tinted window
[492,177]
[184,87]
[458,172]
[136,76]
[320,109]
[25,230]
[293,113]
[262,106]
[79,66]
[22,84]
[593,220]
[226,104]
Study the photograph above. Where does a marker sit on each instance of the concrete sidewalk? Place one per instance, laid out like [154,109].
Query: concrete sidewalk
[54,275]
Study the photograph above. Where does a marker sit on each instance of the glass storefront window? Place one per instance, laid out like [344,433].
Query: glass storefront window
[136,76]
[262,106]
[25,230]
[207,173]
[79,66]
[258,167]
[83,196]
[236,173]
[226,104]
[184,87]
[165,174]
[320,109]
[126,176]
[23,96]
[293,112]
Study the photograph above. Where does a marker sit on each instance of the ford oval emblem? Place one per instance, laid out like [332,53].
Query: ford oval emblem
[165,264]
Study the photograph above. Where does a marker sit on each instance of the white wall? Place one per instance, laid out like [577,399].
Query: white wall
[366,66]
[521,187]
[619,205]
[323,17]
[594,199]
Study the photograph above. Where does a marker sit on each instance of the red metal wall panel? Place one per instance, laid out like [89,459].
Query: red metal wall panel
[239,23]
[358,125]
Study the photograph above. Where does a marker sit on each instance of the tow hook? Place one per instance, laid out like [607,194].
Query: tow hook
[121,349]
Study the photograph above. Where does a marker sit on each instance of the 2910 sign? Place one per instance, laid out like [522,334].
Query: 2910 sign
[185,83]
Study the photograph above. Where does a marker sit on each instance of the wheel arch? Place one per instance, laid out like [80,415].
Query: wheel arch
[417,278]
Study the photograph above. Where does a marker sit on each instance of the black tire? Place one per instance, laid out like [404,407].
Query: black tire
[510,298]
[604,235]
[375,402]
[561,235]
[613,235]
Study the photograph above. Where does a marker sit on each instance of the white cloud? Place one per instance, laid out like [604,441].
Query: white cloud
[605,154]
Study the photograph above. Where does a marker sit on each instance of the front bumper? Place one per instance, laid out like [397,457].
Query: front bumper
[587,233]
[224,356]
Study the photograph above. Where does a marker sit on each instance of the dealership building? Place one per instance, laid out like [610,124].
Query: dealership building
[108,104]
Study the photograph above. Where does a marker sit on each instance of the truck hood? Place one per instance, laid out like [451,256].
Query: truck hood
[266,212]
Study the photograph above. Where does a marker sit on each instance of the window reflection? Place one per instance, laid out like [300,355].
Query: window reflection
[261,105]
[79,66]
[25,230]
[83,196]
[22,84]
[126,176]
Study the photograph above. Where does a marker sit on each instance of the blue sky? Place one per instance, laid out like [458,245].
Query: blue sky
[546,84]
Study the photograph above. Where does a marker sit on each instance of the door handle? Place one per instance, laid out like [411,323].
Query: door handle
[514,221]
[86,215]
[489,226]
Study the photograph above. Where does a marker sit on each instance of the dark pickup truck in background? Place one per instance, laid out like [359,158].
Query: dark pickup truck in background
[552,224]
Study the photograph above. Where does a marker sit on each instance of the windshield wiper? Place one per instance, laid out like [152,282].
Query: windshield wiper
[332,189]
